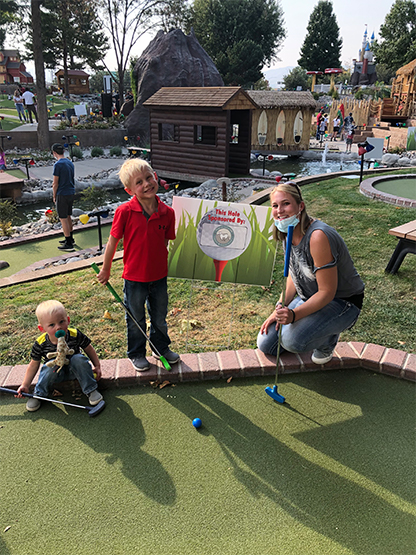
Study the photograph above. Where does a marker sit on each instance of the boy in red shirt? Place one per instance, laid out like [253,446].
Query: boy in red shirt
[146,224]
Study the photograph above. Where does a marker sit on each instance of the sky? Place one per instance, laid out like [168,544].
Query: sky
[352,17]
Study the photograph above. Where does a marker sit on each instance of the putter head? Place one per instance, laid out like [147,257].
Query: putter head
[272,392]
[165,363]
[93,411]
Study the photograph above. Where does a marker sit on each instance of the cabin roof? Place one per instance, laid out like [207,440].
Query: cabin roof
[283,99]
[203,97]
[407,69]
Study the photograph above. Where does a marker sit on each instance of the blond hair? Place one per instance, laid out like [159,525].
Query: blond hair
[130,168]
[47,308]
[292,189]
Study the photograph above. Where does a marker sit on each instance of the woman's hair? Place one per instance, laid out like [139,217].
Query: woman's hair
[47,308]
[292,189]
[131,167]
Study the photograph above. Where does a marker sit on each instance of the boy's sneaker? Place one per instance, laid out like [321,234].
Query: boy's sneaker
[95,397]
[67,246]
[141,364]
[70,240]
[33,404]
[169,355]
[321,358]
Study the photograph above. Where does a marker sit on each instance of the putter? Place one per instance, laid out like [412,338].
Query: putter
[117,297]
[272,391]
[93,411]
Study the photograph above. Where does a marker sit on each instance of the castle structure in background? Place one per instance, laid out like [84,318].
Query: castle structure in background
[365,67]
[12,70]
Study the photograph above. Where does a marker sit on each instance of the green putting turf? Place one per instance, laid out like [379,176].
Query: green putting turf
[332,473]
[22,256]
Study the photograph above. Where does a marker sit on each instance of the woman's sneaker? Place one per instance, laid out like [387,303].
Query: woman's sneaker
[32,404]
[95,397]
[321,358]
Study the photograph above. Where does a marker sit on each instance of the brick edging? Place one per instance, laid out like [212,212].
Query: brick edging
[239,364]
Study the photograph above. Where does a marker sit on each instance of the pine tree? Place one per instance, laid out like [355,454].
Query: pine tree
[322,45]
[71,35]
[241,36]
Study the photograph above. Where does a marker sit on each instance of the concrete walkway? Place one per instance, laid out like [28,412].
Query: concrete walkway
[83,168]
[34,126]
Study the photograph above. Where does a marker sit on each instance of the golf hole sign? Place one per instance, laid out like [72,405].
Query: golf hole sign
[220,241]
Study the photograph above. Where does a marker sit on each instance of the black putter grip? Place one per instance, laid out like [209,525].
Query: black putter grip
[14,392]
[108,285]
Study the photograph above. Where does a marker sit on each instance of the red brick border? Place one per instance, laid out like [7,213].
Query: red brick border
[243,363]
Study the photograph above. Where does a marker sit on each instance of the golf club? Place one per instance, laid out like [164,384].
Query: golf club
[93,411]
[117,297]
[272,391]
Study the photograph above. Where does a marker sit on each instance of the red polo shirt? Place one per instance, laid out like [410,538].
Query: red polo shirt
[145,254]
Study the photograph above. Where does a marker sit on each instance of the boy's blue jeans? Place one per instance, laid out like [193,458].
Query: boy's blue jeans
[153,294]
[79,368]
[319,330]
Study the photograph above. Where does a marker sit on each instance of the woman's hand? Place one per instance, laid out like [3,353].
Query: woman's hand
[283,316]
[265,325]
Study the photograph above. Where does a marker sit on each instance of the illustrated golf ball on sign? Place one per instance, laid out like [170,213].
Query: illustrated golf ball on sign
[223,234]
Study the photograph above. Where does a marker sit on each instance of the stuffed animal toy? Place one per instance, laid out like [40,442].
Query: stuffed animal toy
[62,350]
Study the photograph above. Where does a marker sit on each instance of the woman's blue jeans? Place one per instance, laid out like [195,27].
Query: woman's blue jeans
[79,368]
[153,295]
[21,111]
[319,330]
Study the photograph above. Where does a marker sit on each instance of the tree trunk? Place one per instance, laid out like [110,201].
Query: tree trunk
[43,124]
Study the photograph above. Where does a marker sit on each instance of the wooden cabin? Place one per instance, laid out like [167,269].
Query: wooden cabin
[200,131]
[403,91]
[282,121]
[78,81]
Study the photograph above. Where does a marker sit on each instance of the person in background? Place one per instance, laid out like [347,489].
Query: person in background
[19,104]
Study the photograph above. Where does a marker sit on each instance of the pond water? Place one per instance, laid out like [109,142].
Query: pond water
[284,164]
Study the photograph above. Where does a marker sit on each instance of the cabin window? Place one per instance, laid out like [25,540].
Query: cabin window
[235,128]
[205,135]
[83,82]
[169,132]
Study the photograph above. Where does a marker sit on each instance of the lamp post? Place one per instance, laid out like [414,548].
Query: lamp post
[2,137]
[388,142]
[84,218]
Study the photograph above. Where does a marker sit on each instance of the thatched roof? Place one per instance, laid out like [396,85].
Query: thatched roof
[202,97]
[407,69]
[283,99]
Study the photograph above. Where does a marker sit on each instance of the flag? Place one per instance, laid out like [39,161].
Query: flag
[340,115]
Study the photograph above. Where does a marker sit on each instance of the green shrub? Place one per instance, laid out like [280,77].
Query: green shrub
[95,197]
[97,151]
[77,152]
[7,216]
[115,151]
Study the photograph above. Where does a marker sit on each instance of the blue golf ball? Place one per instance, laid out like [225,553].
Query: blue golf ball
[196,423]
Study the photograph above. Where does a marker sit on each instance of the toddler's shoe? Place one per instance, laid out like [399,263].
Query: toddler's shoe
[95,397]
[169,355]
[321,358]
[141,364]
[33,404]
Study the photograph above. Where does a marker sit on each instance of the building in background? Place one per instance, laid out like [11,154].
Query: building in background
[12,70]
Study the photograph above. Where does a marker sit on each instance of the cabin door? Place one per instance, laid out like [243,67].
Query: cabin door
[239,146]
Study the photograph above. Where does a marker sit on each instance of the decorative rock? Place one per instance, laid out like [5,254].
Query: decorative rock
[404,161]
[3,264]
[390,159]
[171,59]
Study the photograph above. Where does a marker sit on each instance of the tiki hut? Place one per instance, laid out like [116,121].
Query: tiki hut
[200,132]
[403,91]
[282,123]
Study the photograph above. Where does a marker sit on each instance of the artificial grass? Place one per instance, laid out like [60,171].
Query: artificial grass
[331,473]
